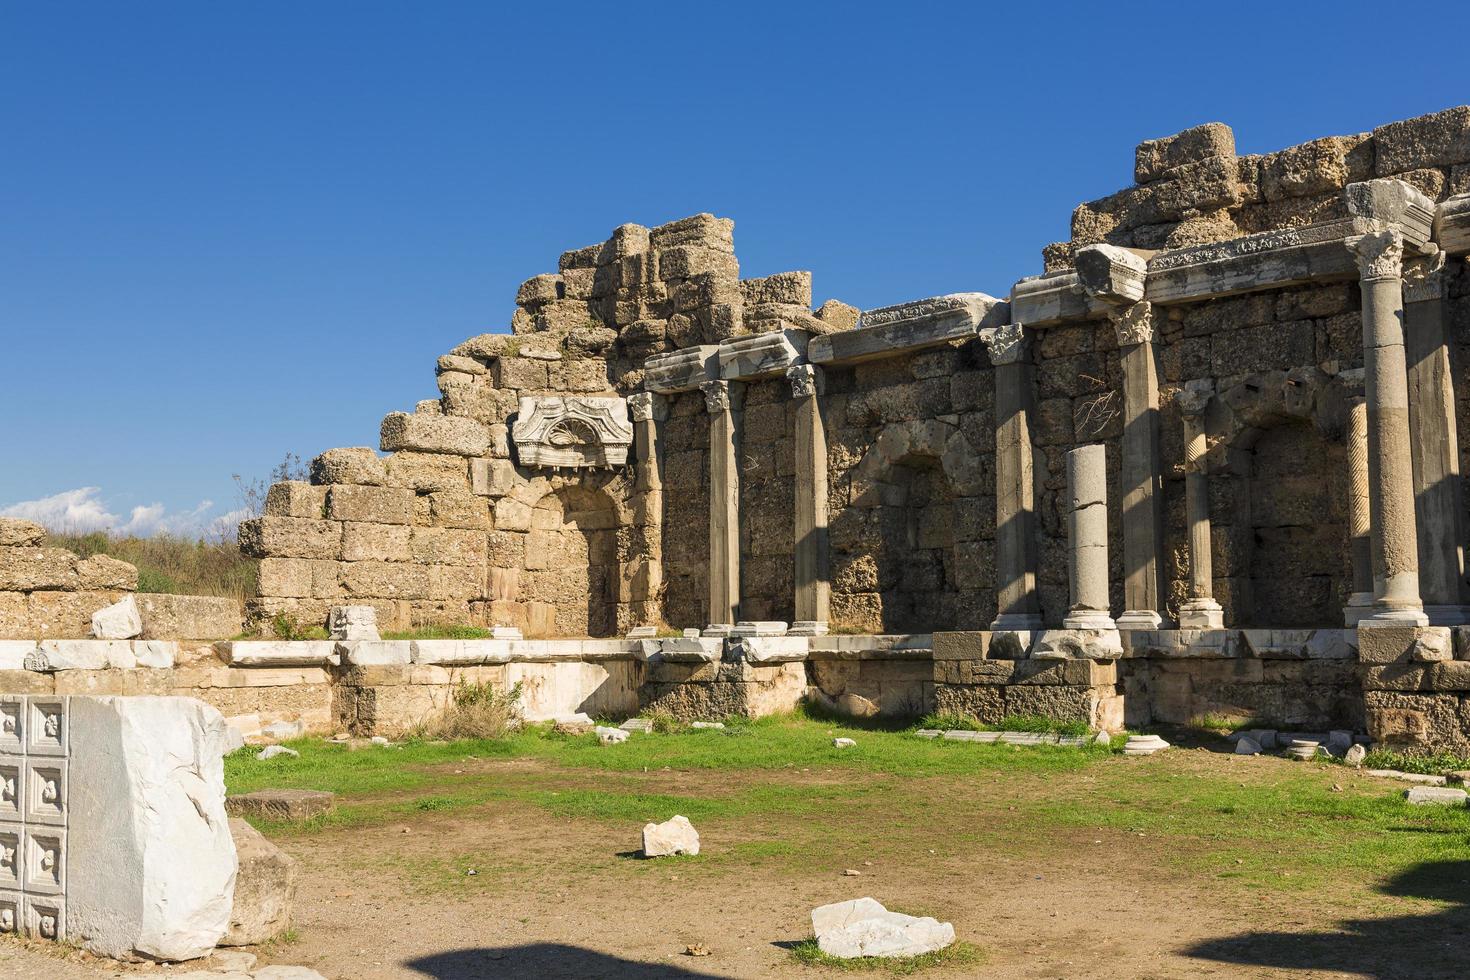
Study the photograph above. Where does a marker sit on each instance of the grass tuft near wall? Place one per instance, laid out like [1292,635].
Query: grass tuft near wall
[174,565]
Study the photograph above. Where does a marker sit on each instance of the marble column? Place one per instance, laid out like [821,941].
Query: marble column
[643,576]
[813,584]
[1087,538]
[1141,475]
[1200,610]
[1396,599]
[1015,531]
[724,505]
[1360,602]
[1438,501]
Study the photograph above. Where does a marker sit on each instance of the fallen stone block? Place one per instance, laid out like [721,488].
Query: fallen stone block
[265,889]
[1423,779]
[295,805]
[1436,796]
[843,743]
[119,621]
[707,724]
[609,736]
[1247,746]
[1355,755]
[643,725]
[274,751]
[928,733]
[674,836]
[863,927]
[283,730]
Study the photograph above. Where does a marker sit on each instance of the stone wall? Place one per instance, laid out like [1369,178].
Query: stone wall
[49,592]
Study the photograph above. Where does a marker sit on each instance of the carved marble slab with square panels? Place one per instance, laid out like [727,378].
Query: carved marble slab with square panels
[34,735]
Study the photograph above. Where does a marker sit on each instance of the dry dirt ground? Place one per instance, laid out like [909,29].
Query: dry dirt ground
[562,894]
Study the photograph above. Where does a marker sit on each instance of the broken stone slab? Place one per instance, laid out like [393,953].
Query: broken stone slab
[692,649]
[609,736]
[1247,746]
[119,621]
[642,633]
[149,863]
[759,628]
[1144,745]
[1077,644]
[929,733]
[1436,796]
[843,743]
[353,623]
[910,326]
[265,889]
[761,355]
[674,836]
[293,805]
[763,650]
[376,653]
[713,725]
[279,653]
[275,751]
[863,927]
[1408,777]
[642,725]
[682,370]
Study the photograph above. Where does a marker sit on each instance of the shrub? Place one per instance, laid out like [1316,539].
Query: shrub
[475,711]
[287,627]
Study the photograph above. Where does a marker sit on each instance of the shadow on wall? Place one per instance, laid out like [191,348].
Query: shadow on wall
[1430,945]
[545,961]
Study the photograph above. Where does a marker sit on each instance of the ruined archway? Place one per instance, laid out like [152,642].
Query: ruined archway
[572,561]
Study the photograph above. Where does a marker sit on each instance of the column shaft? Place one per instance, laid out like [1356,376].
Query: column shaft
[1015,533]
[1200,610]
[1359,521]
[813,586]
[1140,471]
[643,578]
[1087,538]
[724,505]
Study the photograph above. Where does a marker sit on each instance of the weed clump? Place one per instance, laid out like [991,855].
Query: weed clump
[475,711]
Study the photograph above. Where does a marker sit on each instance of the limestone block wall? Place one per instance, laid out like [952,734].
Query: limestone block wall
[767,502]
[49,592]
[685,530]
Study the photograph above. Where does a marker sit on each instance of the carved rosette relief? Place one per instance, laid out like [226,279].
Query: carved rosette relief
[572,432]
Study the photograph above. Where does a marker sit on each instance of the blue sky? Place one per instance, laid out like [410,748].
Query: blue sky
[232,231]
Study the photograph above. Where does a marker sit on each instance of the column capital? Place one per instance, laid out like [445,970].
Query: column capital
[1193,400]
[1007,344]
[716,396]
[1424,278]
[646,406]
[1134,324]
[806,380]
[1110,273]
[1380,255]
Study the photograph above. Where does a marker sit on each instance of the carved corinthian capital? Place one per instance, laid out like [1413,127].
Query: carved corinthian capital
[645,406]
[1007,344]
[806,380]
[1424,278]
[1134,324]
[716,396]
[1380,255]
[1193,401]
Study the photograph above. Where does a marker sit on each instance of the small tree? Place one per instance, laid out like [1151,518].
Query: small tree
[251,493]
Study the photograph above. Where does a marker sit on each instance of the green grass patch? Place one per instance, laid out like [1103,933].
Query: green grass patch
[439,633]
[1429,764]
[1010,723]
[957,954]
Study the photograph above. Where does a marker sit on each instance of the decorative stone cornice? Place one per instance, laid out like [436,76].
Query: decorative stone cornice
[1424,279]
[645,406]
[1134,324]
[806,380]
[1380,255]
[716,396]
[1111,273]
[1007,344]
[1388,204]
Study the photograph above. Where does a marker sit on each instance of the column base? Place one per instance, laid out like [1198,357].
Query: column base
[1140,619]
[809,627]
[1201,614]
[1448,615]
[1389,616]
[1008,622]
[1360,606]
[1088,619]
[719,629]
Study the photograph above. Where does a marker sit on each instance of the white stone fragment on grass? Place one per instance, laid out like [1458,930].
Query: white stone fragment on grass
[609,736]
[843,743]
[151,863]
[863,927]
[1103,739]
[575,718]
[706,724]
[1408,777]
[674,836]
[1355,756]
[928,733]
[1144,745]
[379,740]
[119,621]
[1436,796]
[1247,746]
[272,751]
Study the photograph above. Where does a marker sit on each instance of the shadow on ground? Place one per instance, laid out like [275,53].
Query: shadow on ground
[1421,946]
[545,961]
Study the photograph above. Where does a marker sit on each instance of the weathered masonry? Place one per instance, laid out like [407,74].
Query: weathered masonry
[1261,355]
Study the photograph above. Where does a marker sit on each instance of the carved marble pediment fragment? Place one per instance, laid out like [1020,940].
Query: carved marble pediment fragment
[572,431]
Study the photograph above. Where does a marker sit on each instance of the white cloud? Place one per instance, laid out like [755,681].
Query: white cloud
[82,511]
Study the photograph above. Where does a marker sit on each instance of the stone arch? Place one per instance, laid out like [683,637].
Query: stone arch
[902,571]
[1281,503]
[571,560]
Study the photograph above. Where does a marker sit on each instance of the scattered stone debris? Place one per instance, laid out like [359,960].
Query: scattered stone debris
[1408,777]
[1247,746]
[1436,796]
[706,724]
[610,736]
[696,949]
[265,888]
[674,836]
[843,743]
[295,805]
[1355,755]
[272,751]
[1144,745]
[863,927]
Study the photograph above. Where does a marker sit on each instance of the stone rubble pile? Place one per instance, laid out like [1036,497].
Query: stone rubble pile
[863,927]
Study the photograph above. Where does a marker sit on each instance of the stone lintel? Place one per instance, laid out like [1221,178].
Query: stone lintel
[1041,301]
[1269,260]
[898,329]
[682,370]
[1112,274]
[1452,225]
[761,355]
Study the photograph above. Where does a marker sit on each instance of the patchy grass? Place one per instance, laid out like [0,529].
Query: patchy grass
[460,632]
[957,954]
[1010,723]
[175,565]
[1429,764]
